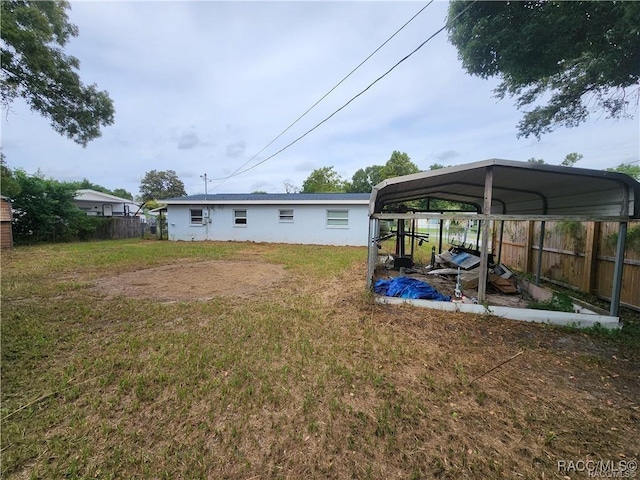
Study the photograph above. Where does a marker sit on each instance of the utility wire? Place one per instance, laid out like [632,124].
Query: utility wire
[321,98]
[240,172]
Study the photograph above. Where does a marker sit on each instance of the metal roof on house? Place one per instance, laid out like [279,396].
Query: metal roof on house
[270,198]
[88,195]
[519,188]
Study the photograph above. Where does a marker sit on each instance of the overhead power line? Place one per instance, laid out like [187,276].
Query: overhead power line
[238,170]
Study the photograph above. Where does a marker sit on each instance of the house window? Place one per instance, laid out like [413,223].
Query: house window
[286,215]
[196,216]
[337,218]
[239,218]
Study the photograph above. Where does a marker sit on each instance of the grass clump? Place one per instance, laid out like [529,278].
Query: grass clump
[558,302]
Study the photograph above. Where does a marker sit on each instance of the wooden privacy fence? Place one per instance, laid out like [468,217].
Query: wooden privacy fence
[576,255]
[119,227]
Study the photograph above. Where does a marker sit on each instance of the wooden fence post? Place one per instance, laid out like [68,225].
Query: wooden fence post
[590,256]
[527,247]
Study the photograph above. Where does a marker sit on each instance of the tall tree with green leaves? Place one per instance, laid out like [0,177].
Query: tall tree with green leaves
[161,184]
[122,193]
[36,68]
[87,184]
[9,185]
[323,180]
[632,170]
[365,179]
[580,56]
[398,165]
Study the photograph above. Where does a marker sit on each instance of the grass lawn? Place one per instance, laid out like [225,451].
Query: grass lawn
[304,378]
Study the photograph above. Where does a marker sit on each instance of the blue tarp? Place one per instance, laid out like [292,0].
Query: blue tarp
[407,287]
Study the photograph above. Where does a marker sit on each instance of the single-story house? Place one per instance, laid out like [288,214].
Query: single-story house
[301,218]
[101,204]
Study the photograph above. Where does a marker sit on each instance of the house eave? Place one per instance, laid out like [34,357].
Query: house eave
[266,202]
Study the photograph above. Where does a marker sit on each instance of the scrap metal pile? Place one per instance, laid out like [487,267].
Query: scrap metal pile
[463,264]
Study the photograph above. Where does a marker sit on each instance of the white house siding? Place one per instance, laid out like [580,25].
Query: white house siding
[309,225]
[95,208]
[96,203]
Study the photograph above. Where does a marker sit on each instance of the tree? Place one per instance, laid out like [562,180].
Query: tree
[122,193]
[44,210]
[571,159]
[436,166]
[87,184]
[580,55]
[35,67]
[399,164]
[628,169]
[536,160]
[290,188]
[9,185]
[157,185]
[323,180]
[365,179]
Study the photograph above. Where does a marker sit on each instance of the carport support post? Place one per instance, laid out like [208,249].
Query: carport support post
[617,270]
[484,250]
[374,231]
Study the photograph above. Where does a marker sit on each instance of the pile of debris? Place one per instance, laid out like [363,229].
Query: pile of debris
[462,265]
[454,276]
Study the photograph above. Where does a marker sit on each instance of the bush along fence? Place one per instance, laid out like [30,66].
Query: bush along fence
[578,255]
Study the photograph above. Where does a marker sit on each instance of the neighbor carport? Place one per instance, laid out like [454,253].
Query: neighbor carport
[502,190]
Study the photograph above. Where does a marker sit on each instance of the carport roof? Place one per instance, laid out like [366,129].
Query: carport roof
[519,188]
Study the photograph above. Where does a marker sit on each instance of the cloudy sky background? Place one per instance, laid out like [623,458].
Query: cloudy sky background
[201,87]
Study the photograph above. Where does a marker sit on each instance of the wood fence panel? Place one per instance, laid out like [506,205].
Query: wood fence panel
[119,228]
[605,262]
[578,255]
[515,245]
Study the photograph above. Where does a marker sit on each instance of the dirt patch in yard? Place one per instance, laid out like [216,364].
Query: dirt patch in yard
[189,281]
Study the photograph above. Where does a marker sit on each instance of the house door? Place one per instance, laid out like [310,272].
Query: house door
[107,210]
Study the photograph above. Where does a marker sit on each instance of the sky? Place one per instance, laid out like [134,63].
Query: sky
[201,87]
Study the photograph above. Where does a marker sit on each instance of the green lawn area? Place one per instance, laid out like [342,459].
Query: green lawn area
[308,378]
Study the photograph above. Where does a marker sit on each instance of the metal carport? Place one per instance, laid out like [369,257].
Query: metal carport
[509,190]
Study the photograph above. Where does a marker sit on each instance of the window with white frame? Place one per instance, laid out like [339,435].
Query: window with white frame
[285,215]
[337,218]
[239,218]
[196,216]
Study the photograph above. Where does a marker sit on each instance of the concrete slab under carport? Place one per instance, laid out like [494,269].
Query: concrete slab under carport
[577,320]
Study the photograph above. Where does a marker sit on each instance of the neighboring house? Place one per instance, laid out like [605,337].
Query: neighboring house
[100,204]
[302,218]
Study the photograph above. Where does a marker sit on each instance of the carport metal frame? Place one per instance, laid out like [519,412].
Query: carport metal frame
[623,206]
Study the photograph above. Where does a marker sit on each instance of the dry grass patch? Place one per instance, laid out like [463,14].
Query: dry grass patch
[313,380]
